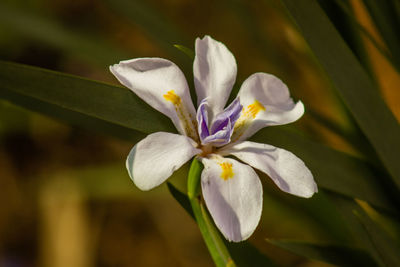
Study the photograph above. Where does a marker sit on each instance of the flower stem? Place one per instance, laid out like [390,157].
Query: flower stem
[211,236]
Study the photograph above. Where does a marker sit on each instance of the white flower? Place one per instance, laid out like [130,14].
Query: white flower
[231,189]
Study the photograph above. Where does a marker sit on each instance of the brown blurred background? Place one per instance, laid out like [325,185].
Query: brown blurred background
[66,199]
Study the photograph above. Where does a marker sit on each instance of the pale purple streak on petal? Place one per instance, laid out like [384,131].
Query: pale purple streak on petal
[231,113]
[221,137]
[222,127]
[202,120]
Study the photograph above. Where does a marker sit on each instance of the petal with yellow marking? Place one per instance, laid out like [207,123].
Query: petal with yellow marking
[266,101]
[233,194]
[287,171]
[162,85]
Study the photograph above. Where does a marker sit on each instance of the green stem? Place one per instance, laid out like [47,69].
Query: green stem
[211,236]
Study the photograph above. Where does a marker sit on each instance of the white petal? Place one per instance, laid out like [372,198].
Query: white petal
[233,199]
[155,158]
[152,79]
[273,95]
[287,171]
[214,72]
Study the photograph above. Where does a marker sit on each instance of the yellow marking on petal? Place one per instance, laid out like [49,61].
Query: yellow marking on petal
[249,113]
[188,124]
[172,97]
[227,171]
[253,109]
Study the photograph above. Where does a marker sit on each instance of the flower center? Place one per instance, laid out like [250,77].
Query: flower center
[221,129]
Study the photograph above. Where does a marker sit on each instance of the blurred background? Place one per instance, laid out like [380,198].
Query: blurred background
[65,196]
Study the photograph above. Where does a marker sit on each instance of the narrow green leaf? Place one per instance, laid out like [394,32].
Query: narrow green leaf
[381,48]
[387,248]
[332,170]
[189,52]
[35,87]
[360,237]
[243,253]
[116,110]
[383,13]
[340,14]
[330,253]
[47,30]
[351,81]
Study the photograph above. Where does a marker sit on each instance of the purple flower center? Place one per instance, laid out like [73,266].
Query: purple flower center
[221,129]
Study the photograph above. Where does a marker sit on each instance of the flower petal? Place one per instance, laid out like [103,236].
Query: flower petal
[233,194]
[162,85]
[266,101]
[202,120]
[214,72]
[155,158]
[287,171]
[231,113]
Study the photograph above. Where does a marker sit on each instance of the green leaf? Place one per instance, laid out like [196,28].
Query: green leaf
[345,6]
[330,253]
[47,30]
[68,96]
[387,248]
[117,111]
[332,170]
[383,13]
[351,81]
[189,52]
[346,207]
[339,12]
[243,253]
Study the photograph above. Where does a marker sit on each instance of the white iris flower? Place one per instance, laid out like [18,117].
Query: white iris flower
[231,189]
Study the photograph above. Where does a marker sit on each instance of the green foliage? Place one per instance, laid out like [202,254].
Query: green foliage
[333,254]
[336,40]
[351,81]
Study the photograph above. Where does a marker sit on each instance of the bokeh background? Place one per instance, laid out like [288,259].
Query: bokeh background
[65,196]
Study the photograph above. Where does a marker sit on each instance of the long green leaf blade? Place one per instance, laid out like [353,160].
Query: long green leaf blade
[351,81]
[387,248]
[49,31]
[101,101]
[333,170]
[330,253]
[383,13]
